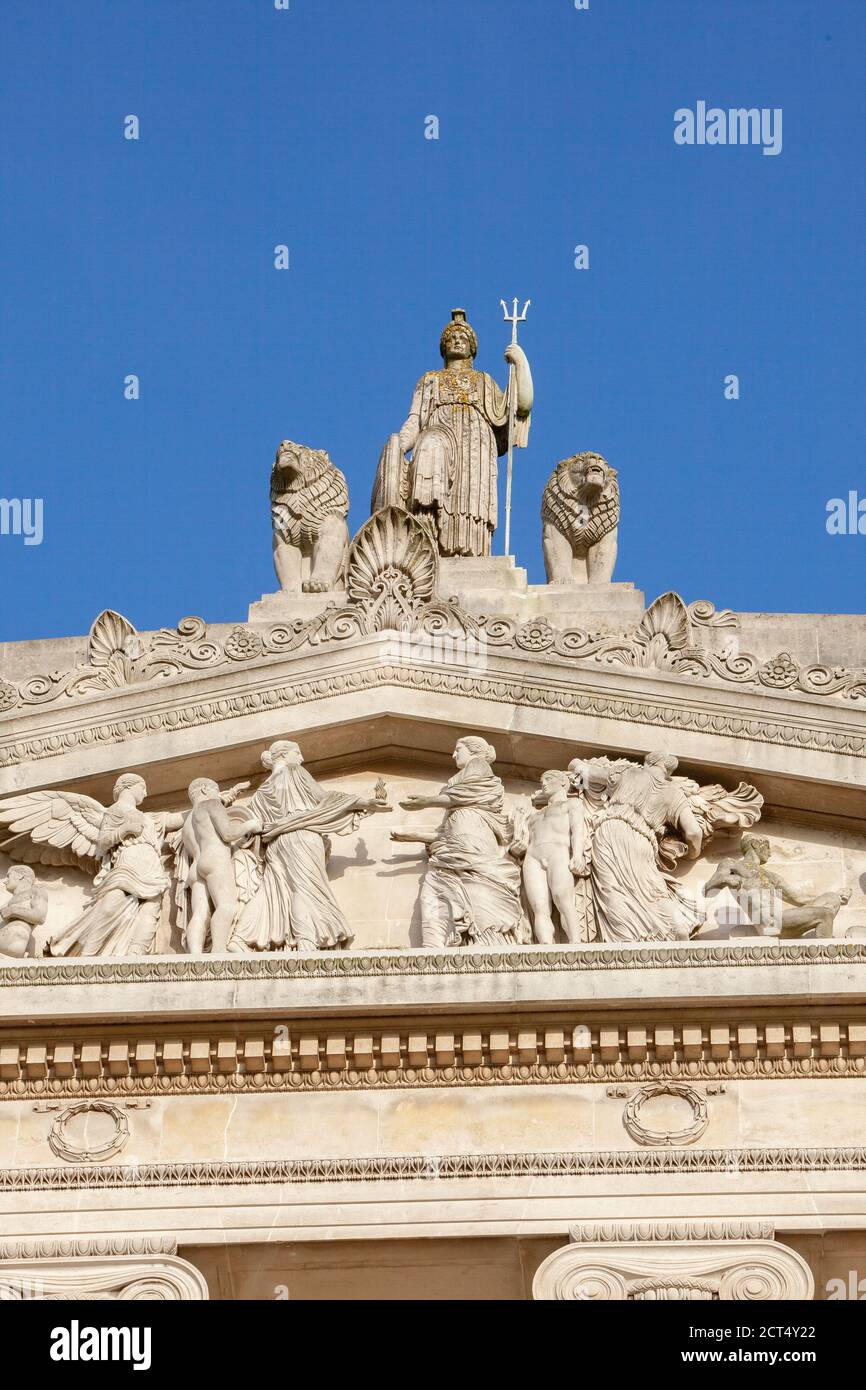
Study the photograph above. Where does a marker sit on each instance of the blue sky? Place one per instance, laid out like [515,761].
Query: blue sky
[306,127]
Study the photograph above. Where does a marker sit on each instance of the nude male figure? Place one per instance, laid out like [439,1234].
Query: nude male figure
[553,858]
[208,837]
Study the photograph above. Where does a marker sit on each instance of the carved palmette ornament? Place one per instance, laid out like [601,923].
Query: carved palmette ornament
[392,569]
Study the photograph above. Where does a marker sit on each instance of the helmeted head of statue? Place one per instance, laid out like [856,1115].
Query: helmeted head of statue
[458,340]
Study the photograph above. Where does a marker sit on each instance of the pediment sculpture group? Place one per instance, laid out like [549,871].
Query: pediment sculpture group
[590,859]
[593,858]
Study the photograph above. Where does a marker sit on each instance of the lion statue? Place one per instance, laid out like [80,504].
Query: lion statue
[579,516]
[309,505]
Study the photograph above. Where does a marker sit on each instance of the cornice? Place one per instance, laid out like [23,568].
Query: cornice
[654,700]
[122,1062]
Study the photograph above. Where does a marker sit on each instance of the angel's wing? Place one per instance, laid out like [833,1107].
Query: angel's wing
[58,828]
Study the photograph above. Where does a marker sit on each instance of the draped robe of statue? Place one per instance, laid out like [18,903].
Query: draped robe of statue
[294,904]
[457,428]
[129,847]
[471,887]
[635,900]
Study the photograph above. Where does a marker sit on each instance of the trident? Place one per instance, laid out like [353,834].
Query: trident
[514,319]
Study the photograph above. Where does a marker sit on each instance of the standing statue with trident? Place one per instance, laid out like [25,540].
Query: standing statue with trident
[443,462]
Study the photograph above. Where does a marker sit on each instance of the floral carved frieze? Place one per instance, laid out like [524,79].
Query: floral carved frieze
[390,578]
[381,963]
[424,1167]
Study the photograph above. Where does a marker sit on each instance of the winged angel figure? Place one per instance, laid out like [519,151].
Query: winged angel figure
[119,844]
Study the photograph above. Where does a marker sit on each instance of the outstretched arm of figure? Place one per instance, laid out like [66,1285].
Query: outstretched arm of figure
[691,831]
[231,830]
[414,837]
[797,896]
[424,803]
[516,357]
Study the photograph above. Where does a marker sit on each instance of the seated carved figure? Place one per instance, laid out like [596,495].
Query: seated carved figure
[580,516]
[309,506]
[761,895]
[26,908]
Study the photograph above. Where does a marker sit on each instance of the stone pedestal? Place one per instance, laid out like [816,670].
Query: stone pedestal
[496,585]
[283,607]
[483,584]
[594,607]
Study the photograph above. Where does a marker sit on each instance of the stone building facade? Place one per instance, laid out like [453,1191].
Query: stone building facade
[390,1082]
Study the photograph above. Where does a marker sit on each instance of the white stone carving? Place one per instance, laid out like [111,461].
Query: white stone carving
[152,1277]
[309,506]
[65,1146]
[456,427]
[580,510]
[553,843]
[121,844]
[471,888]
[761,896]
[630,1264]
[206,870]
[26,908]
[292,904]
[652,1136]
[681,650]
[392,569]
[647,821]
